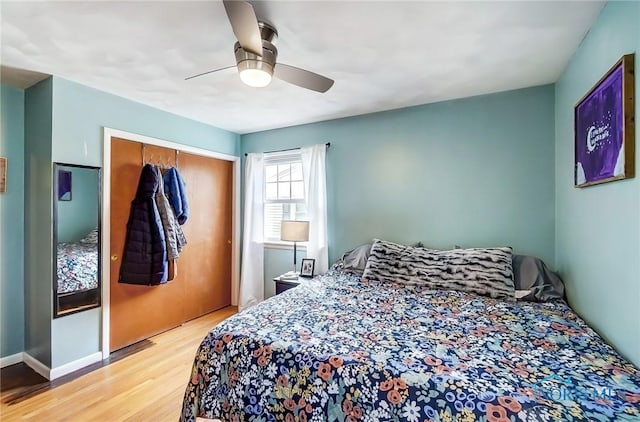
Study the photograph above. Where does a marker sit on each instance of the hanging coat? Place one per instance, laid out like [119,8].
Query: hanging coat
[144,260]
[176,193]
[174,236]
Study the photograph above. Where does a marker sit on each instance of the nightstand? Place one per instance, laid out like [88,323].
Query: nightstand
[284,285]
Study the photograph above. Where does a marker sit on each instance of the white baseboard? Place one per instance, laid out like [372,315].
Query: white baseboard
[11,359]
[47,372]
[70,367]
[36,365]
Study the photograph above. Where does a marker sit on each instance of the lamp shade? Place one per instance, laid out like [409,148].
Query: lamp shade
[294,231]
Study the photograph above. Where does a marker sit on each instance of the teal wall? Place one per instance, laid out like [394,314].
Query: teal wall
[79,115]
[474,172]
[489,170]
[38,218]
[12,222]
[65,345]
[81,112]
[63,122]
[76,218]
[598,228]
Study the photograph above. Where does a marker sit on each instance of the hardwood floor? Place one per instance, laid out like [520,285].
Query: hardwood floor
[145,386]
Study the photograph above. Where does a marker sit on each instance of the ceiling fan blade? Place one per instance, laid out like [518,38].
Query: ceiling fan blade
[302,78]
[206,73]
[245,25]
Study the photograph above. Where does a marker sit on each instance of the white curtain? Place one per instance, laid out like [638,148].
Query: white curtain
[252,272]
[315,189]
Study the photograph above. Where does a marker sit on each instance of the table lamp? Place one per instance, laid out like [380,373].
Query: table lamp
[294,231]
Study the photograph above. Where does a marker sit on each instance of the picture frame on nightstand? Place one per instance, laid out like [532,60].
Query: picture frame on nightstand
[307,267]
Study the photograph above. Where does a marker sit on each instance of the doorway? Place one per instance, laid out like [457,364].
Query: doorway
[206,272]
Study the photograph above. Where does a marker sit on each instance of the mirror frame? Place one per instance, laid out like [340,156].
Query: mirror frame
[93,295]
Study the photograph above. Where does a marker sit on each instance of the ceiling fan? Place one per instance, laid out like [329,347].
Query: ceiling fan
[256,55]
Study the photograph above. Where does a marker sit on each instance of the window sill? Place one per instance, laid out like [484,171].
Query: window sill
[284,245]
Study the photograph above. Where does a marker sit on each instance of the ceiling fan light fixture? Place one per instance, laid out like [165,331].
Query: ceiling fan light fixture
[257,78]
[256,65]
[256,71]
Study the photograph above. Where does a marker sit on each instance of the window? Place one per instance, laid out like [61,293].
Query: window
[283,192]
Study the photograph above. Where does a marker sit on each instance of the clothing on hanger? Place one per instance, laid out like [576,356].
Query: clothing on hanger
[175,190]
[144,260]
[173,232]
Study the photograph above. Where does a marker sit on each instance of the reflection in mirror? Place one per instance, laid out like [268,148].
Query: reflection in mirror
[76,230]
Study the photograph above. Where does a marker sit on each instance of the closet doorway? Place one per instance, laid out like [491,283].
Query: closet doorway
[203,280]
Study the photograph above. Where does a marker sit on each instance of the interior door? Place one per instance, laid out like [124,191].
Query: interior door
[205,266]
[203,271]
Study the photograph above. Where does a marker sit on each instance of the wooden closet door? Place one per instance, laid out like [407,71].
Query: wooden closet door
[203,280]
[207,276]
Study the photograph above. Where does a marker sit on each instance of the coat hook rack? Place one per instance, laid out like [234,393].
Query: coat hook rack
[161,161]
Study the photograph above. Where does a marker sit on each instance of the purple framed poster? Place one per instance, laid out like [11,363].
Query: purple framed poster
[604,128]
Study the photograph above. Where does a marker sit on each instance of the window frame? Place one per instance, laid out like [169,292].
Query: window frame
[275,158]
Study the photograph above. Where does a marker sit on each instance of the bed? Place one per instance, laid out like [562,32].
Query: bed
[77,267]
[342,348]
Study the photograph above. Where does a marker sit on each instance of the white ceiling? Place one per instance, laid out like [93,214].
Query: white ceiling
[382,55]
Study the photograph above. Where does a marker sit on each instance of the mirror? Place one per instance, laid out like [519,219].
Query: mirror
[76,238]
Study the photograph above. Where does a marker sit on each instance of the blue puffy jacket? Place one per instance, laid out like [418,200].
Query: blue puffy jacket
[176,193]
[144,260]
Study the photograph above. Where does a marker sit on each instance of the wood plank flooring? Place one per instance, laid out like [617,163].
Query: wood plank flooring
[146,386]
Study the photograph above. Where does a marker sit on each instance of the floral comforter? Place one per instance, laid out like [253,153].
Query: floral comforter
[77,266]
[341,349]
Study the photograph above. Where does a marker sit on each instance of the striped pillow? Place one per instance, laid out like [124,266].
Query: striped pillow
[484,271]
